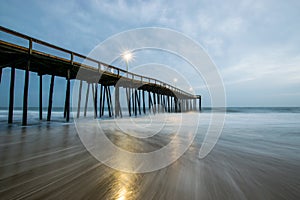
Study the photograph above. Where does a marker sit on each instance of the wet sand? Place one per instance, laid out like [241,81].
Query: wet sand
[49,162]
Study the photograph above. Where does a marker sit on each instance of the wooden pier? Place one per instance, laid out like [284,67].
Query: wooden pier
[162,97]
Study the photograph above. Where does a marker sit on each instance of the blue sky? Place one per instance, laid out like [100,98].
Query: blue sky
[254,43]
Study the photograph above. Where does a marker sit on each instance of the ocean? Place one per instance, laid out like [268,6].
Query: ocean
[256,156]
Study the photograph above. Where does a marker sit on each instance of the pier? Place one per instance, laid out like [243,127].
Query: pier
[143,94]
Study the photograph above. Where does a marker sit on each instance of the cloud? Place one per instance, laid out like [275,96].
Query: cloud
[214,44]
[271,68]
[231,26]
[130,13]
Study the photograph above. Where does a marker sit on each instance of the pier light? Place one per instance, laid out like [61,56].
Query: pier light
[127,56]
[175,81]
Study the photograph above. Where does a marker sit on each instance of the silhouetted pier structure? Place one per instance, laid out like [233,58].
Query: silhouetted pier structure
[162,97]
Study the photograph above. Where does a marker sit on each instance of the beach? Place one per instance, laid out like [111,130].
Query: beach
[150,100]
[256,157]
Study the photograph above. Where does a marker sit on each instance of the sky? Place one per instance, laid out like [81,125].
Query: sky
[254,44]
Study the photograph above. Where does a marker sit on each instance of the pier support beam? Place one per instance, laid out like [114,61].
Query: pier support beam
[186,105]
[175,104]
[149,101]
[79,99]
[86,99]
[41,97]
[116,101]
[200,103]
[95,100]
[118,111]
[100,99]
[103,101]
[128,101]
[107,94]
[135,102]
[26,85]
[158,103]
[162,103]
[171,104]
[165,104]
[68,97]
[154,103]
[110,105]
[179,105]
[25,97]
[169,110]
[93,93]
[50,98]
[11,95]
[144,106]
[139,101]
[0,74]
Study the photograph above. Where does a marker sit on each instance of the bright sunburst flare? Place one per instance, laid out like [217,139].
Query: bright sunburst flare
[127,55]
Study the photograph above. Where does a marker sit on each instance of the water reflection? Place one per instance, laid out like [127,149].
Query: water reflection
[125,186]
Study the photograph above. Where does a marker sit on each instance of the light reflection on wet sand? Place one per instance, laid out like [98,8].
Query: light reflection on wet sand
[50,162]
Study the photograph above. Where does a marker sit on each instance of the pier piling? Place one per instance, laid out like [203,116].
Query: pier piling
[11,95]
[79,99]
[86,99]
[41,97]
[200,106]
[68,96]
[25,97]
[100,100]
[95,100]
[50,98]
[144,106]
